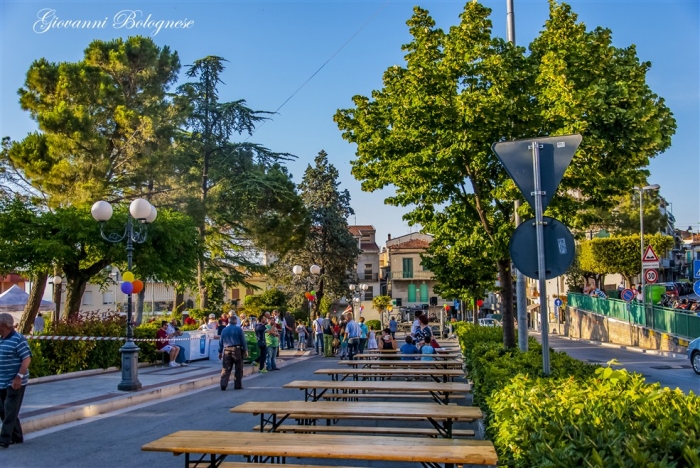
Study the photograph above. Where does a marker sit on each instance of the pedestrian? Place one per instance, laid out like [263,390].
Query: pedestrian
[393,326]
[386,342]
[279,321]
[212,323]
[301,331]
[173,331]
[409,348]
[352,330]
[372,339]
[364,331]
[335,326]
[416,324]
[260,329]
[163,346]
[38,324]
[272,339]
[328,336]
[318,334]
[343,344]
[232,350]
[15,357]
[289,326]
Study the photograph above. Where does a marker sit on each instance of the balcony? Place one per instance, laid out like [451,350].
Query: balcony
[409,275]
[368,276]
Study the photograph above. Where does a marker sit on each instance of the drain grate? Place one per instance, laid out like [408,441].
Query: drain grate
[682,366]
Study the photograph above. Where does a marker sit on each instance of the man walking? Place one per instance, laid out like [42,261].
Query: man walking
[352,334]
[260,329]
[15,357]
[328,336]
[318,334]
[232,349]
[393,327]
[364,331]
[290,327]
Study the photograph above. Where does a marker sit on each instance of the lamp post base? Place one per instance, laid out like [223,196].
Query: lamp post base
[130,368]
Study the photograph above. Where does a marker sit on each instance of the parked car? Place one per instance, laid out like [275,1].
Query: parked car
[694,354]
[672,289]
[489,322]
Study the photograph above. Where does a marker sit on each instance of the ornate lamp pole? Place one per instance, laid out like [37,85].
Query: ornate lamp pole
[144,212]
[358,295]
[315,270]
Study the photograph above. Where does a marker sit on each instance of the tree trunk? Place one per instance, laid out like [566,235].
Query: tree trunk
[139,305]
[179,303]
[33,302]
[504,273]
[75,288]
[203,303]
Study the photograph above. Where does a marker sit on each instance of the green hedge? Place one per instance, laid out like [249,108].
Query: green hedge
[581,415]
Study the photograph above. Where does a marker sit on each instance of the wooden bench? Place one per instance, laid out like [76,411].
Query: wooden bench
[408,431]
[210,448]
[436,374]
[286,465]
[388,396]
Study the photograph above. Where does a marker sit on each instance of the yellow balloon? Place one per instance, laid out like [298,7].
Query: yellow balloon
[128,276]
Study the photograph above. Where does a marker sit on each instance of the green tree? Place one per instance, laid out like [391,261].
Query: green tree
[620,254]
[329,243]
[239,194]
[104,123]
[429,130]
[381,304]
[623,218]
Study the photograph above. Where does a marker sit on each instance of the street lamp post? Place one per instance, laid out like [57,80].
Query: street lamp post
[144,212]
[358,295]
[641,240]
[57,281]
[315,270]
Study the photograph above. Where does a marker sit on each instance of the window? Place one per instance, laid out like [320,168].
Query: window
[107,297]
[235,294]
[248,291]
[87,298]
[408,268]
[368,272]
[369,294]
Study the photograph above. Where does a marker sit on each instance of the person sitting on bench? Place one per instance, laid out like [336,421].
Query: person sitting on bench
[163,346]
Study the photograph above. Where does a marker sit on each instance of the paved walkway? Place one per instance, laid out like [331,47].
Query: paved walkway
[63,399]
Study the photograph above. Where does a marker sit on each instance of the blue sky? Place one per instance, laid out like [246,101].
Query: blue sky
[274,47]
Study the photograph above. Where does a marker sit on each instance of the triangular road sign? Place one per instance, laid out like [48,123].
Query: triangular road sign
[556,154]
[650,255]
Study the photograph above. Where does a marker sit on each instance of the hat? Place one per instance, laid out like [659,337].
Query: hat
[212,316]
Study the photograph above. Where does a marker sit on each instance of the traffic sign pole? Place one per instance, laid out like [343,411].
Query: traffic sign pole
[544,316]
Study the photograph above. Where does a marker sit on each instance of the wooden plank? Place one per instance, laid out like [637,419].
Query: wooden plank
[364,409]
[430,432]
[344,447]
[383,386]
[286,465]
[396,363]
[388,396]
[397,372]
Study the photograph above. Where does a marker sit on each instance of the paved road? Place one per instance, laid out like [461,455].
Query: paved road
[669,372]
[115,440]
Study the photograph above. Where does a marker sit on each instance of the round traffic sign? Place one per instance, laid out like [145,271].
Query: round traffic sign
[557,302]
[651,276]
[628,295]
[696,287]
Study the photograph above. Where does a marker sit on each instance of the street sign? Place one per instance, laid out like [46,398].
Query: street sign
[559,248]
[456,304]
[628,295]
[557,302]
[555,155]
[696,268]
[650,259]
[696,287]
[651,276]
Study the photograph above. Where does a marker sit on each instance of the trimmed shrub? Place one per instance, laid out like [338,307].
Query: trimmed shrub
[375,324]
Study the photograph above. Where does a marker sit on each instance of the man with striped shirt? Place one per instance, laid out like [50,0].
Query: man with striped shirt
[14,376]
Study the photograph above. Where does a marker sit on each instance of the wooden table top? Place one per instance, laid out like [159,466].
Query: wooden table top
[390,356]
[339,446]
[409,372]
[400,363]
[361,409]
[382,386]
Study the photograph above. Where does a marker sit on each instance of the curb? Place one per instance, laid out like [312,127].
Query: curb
[628,348]
[77,374]
[77,413]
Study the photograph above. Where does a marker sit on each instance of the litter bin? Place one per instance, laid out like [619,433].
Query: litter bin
[252,342]
[197,346]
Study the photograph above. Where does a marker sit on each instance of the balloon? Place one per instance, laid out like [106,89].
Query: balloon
[479,303]
[128,276]
[138,286]
[127,287]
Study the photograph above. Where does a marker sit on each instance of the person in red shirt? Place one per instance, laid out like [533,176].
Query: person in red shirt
[163,346]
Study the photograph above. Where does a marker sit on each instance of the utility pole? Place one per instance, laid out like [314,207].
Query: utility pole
[520,278]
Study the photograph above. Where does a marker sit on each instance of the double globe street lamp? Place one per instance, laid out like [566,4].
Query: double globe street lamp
[145,213]
[358,295]
[315,270]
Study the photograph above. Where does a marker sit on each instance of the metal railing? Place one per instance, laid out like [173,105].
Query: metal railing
[659,318]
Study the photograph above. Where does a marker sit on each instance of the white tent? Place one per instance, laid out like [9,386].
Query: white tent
[14,300]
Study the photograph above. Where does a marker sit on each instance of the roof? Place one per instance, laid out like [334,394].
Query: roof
[357,230]
[411,244]
[369,246]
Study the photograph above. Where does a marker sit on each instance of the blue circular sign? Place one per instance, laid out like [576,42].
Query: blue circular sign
[628,295]
[696,287]
[557,302]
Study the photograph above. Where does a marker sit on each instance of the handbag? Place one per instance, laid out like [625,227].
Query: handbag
[336,342]
[434,343]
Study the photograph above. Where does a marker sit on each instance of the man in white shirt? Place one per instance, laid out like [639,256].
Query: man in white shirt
[416,323]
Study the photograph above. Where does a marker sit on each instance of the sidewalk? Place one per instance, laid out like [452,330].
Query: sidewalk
[62,399]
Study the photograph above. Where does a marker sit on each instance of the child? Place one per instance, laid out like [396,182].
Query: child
[343,344]
[372,339]
[301,330]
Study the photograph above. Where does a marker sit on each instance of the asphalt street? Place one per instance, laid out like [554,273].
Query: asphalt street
[669,372]
[115,440]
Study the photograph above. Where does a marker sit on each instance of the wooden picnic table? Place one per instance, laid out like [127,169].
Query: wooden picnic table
[315,389]
[274,413]
[389,356]
[210,448]
[438,375]
[403,364]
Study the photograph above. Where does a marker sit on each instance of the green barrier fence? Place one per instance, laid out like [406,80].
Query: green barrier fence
[663,319]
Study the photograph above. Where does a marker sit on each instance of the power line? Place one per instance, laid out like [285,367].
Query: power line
[376,13]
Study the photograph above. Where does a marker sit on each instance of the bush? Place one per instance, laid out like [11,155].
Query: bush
[375,324]
[580,415]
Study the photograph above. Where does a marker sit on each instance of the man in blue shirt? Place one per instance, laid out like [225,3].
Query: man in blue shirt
[352,333]
[392,327]
[15,357]
[409,348]
[232,349]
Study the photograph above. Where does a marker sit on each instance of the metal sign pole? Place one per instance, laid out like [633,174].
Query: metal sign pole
[539,230]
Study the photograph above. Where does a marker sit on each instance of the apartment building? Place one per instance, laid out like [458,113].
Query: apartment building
[367,267]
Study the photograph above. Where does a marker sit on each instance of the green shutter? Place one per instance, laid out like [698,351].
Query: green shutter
[411,292]
[408,268]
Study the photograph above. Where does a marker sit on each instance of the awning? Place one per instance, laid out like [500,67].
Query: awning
[532,307]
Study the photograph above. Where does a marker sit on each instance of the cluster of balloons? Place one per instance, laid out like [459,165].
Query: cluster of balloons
[311,296]
[131,285]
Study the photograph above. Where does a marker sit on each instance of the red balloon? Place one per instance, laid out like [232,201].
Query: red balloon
[138,286]
[479,303]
